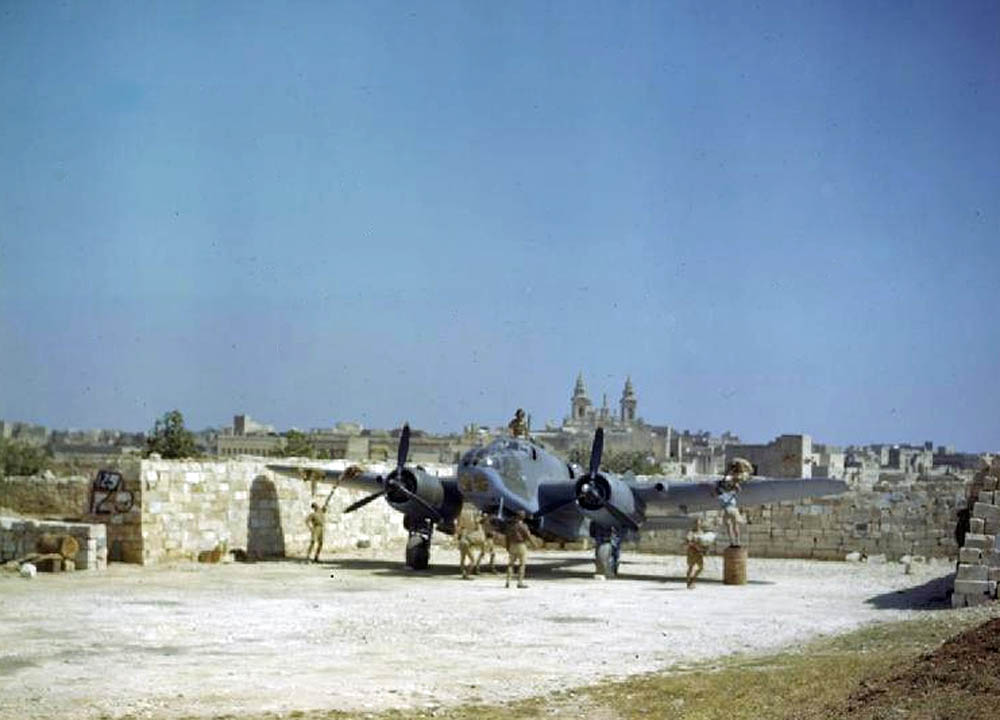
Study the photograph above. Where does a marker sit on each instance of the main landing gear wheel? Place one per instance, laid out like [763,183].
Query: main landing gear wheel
[418,546]
[418,552]
[607,560]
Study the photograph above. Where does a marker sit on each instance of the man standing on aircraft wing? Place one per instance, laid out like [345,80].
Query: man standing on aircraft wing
[517,535]
[727,490]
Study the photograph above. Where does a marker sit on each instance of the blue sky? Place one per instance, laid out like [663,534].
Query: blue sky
[776,218]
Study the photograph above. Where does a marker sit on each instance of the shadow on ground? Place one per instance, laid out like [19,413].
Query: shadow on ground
[542,569]
[932,595]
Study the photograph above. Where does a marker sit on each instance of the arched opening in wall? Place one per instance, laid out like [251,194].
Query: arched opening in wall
[265,536]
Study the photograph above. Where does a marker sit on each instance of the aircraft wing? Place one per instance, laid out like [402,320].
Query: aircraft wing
[351,477]
[699,493]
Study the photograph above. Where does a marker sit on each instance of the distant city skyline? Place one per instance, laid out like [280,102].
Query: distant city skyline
[260,424]
[776,218]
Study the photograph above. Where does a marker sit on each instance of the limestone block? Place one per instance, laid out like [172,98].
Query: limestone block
[970,555]
[986,511]
[990,483]
[994,574]
[972,587]
[991,527]
[972,572]
[979,540]
[977,525]
[988,497]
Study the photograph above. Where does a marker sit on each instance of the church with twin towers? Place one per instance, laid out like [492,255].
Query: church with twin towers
[584,416]
[623,428]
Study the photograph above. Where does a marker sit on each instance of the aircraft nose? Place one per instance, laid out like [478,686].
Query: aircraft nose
[476,480]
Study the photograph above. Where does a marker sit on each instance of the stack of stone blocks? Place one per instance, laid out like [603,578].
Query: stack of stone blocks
[19,539]
[979,557]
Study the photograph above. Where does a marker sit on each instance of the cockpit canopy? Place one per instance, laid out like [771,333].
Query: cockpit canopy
[484,454]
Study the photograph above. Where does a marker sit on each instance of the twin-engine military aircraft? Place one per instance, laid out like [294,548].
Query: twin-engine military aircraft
[560,501]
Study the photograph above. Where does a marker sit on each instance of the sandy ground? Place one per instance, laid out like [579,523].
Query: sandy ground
[360,631]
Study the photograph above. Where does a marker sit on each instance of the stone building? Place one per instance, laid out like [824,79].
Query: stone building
[828,461]
[624,430]
[907,458]
[788,456]
[25,433]
[248,437]
[583,417]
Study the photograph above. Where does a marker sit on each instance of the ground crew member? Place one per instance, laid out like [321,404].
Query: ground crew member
[316,522]
[465,533]
[727,490]
[517,537]
[697,546]
[519,425]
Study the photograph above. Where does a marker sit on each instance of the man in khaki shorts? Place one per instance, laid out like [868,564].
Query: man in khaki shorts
[517,535]
[697,545]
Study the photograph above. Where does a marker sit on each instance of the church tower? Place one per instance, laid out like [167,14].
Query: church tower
[628,403]
[579,403]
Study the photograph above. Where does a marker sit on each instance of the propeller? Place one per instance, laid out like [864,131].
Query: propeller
[364,501]
[593,491]
[404,448]
[596,450]
[396,481]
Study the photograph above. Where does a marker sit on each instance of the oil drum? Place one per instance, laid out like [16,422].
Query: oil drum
[734,566]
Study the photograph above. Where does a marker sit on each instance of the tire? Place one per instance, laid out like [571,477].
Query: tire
[606,564]
[418,555]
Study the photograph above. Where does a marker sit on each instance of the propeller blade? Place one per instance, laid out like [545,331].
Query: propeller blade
[404,447]
[621,517]
[363,501]
[596,450]
[554,507]
[398,486]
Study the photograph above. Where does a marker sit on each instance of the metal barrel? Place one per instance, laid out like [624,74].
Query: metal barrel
[734,566]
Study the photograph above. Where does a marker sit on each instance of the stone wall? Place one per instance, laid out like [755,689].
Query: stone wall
[172,510]
[900,515]
[72,499]
[191,507]
[19,536]
[46,495]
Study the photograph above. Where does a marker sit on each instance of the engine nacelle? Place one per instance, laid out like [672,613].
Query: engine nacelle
[431,490]
[593,497]
[418,482]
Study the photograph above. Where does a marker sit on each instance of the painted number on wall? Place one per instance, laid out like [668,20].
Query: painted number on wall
[108,496]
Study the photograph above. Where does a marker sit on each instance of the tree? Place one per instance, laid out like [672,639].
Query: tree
[298,444]
[18,458]
[619,462]
[170,438]
[635,461]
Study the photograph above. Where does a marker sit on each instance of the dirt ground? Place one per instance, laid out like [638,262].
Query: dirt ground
[361,632]
[957,680]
